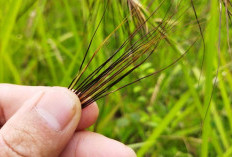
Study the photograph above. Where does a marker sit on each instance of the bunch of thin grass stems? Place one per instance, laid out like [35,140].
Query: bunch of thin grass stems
[133,52]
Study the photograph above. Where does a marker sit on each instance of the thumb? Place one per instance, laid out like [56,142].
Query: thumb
[43,125]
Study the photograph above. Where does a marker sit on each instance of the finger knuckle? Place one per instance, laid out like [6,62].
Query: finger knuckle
[19,143]
[7,150]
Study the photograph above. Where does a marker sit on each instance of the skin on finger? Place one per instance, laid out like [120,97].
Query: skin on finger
[89,144]
[12,97]
[39,128]
[89,116]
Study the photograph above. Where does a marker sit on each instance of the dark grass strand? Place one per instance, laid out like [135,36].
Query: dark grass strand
[89,45]
[140,27]
[93,36]
[132,60]
[119,49]
[144,22]
[114,75]
[110,68]
[131,36]
[100,67]
[94,98]
[94,72]
[112,84]
[115,82]
[95,87]
[119,62]
[99,96]
[170,65]
[127,64]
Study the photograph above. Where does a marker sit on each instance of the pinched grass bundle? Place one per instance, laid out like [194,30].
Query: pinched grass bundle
[133,52]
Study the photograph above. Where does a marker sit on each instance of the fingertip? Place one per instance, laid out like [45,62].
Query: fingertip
[73,96]
[130,152]
[89,116]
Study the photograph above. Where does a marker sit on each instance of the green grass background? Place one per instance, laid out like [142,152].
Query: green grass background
[43,42]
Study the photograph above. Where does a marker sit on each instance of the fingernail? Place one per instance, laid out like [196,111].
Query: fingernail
[57,107]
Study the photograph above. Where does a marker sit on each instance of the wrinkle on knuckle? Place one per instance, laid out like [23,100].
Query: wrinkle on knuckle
[7,149]
[21,142]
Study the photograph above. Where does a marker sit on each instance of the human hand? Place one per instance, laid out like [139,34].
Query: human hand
[48,121]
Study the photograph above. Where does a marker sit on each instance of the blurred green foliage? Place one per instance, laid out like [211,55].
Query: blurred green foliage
[43,42]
